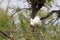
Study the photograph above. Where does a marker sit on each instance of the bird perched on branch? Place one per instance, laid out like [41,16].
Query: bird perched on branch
[36,6]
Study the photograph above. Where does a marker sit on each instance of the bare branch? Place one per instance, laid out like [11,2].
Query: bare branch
[4,34]
[49,14]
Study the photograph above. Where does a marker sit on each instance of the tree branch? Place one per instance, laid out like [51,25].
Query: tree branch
[49,14]
[4,34]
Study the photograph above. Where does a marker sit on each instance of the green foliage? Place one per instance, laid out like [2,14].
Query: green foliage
[4,20]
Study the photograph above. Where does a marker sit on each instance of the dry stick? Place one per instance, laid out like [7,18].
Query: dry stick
[4,33]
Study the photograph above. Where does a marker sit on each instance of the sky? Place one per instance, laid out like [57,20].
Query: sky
[23,4]
[14,3]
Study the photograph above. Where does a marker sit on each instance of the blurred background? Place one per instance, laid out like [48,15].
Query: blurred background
[15,20]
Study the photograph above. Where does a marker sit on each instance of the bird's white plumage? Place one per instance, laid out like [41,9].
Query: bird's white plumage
[35,21]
